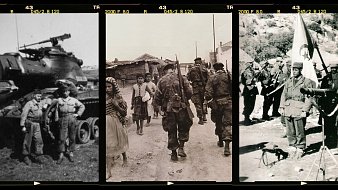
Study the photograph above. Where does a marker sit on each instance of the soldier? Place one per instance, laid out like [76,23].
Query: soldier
[68,109]
[295,106]
[249,92]
[176,119]
[285,75]
[218,89]
[328,103]
[277,81]
[198,75]
[267,86]
[30,124]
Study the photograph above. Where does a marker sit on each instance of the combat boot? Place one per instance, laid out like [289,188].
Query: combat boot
[174,156]
[60,158]
[181,150]
[205,118]
[227,148]
[247,121]
[220,141]
[71,157]
[27,161]
[200,121]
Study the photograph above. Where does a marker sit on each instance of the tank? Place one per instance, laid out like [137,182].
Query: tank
[45,68]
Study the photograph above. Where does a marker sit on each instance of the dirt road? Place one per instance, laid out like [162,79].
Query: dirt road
[265,134]
[149,158]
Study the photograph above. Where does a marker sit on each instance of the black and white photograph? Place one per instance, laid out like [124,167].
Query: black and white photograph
[49,96]
[169,97]
[288,97]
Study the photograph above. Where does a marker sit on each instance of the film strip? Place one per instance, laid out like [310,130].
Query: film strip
[305,32]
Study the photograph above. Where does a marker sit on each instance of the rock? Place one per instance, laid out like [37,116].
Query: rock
[298,169]
[149,154]
[179,171]
[171,173]
[271,174]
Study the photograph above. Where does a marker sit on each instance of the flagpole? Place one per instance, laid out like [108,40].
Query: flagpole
[321,58]
[213,29]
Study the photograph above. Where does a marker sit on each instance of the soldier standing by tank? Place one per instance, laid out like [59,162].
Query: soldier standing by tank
[328,104]
[176,119]
[249,92]
[68,109]
[295,106]
[30,124]
[219,89]
[267,86]
[198,75]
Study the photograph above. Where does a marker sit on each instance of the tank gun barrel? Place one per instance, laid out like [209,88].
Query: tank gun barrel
[53,40]
[318,92]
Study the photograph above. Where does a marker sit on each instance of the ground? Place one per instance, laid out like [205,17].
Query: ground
[149,158]
[83,169]
[265,134]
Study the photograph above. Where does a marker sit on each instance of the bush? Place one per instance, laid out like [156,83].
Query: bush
[265,16]
[271,23]
[315,27]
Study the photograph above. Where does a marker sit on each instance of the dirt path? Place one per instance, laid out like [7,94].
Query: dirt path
[149,158]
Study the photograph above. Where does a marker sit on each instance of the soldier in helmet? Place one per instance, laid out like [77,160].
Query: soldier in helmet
[218,89]
[295,106]
[198,75]
[249,92]
[266,81]
[176,119]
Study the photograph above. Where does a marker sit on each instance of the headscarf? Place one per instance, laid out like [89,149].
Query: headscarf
[112,81]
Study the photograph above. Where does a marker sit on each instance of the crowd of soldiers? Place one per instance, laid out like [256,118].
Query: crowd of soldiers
[295,98]
[174,92]
[68,109]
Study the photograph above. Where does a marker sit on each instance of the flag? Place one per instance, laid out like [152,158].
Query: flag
[303,48]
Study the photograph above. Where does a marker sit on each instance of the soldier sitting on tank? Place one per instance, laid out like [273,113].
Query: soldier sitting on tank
[30,121]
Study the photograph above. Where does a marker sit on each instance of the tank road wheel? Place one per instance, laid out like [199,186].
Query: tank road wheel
[50,119]
[83,131]
[94,127]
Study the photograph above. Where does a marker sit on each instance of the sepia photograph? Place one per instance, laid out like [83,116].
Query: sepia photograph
[169,97]
[288,97]
[49,96]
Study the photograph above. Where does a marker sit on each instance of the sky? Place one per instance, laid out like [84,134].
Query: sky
[164,35]
[32,28]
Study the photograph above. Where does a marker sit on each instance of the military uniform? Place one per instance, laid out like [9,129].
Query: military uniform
[176,120]
[267,86]
[296,108]
[328,104]
[198,75]
[278,79]
[218,89]
[67,107]
[249,93]
[30,119]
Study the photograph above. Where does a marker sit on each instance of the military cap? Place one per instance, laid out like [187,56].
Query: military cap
[168,66]
[218,65]
[64,88]
[37,91]
[334,65]
[198,59]
[298,65]
[279,59]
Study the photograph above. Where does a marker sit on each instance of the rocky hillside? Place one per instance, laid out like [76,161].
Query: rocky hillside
[266,36]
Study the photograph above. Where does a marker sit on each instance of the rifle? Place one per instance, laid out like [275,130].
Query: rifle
[53,40]
[184,98]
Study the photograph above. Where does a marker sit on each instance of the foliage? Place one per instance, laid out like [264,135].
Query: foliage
[315,27]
